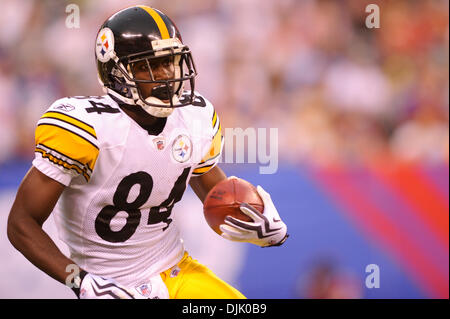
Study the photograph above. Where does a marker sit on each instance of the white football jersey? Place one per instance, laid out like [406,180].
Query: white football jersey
[122,183]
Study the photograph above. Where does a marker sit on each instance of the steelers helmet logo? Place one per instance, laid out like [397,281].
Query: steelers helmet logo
[182,148]
[104,44]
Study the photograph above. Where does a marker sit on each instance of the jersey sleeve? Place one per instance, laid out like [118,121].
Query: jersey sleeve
[66,144]
[212,157]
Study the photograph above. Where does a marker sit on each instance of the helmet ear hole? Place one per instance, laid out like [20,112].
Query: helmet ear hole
[119,82]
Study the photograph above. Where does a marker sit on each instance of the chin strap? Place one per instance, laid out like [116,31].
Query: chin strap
[157,111]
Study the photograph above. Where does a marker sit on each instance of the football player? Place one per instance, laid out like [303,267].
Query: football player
[112,168]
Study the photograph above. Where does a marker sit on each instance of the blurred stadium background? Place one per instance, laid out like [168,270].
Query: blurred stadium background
[363,121]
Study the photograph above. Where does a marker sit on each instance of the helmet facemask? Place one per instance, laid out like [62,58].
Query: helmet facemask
[124,78]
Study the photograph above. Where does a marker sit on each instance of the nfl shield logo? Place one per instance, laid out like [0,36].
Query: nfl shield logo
[175,271]
[159,143]
[144,290]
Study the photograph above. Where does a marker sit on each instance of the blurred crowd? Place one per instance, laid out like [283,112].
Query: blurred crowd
[338,91]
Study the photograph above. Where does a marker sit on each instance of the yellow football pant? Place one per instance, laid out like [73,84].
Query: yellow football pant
[196,281]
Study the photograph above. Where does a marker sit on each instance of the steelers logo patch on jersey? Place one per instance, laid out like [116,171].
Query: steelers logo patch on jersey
[182,148]
[104,45]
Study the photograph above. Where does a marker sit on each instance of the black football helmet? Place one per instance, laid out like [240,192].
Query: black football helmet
[140,34]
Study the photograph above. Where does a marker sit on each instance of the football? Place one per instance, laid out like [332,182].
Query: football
[225,198]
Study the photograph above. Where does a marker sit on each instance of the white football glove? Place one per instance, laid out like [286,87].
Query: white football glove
[96,287]
[266,229]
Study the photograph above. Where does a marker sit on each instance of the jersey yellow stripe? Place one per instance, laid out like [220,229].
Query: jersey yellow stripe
[216,146]
[214,119]
[219,130]
[58,161]
[56,153]
[159,21]
[67,143]
[83,126]
[62,163]
[202,170]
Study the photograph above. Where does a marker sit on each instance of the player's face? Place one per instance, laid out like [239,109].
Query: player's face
[162,69]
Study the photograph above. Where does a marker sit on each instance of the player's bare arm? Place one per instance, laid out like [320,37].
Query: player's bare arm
[202,184]
[35,200]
